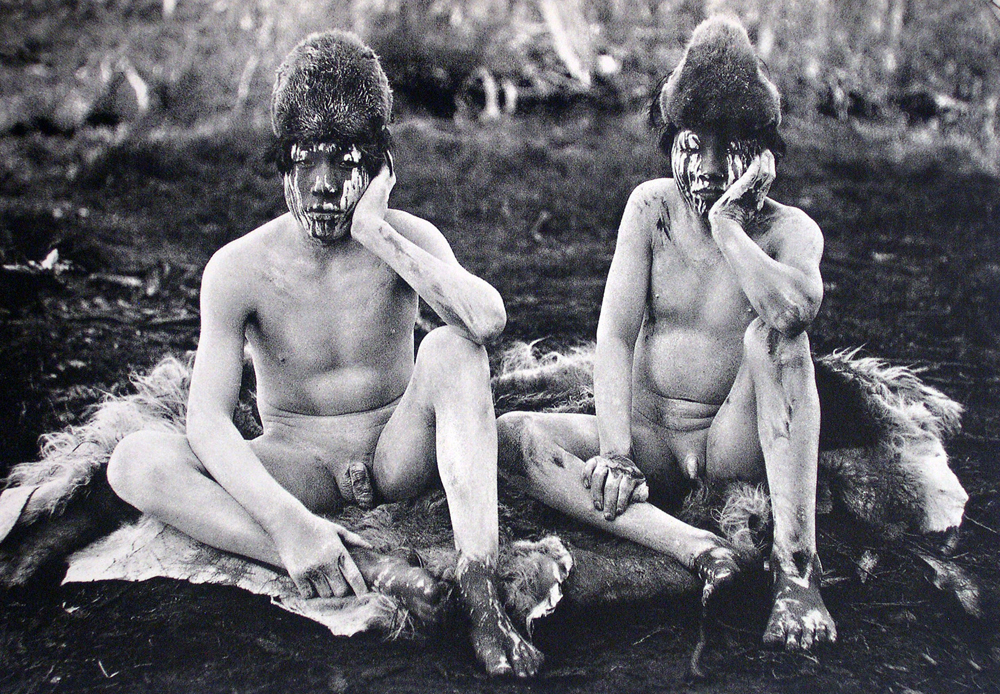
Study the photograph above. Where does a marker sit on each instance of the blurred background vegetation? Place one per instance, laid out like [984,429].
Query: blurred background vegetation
[929,64]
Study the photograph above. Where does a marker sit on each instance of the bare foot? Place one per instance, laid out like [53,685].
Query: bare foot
[799,619]
[717,567]
[422,594]
[499,647]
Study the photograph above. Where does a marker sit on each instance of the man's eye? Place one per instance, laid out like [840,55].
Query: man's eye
[740,148]
[690,143]
[348,165]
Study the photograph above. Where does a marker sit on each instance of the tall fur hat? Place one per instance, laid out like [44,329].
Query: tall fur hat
[331,87]
[719,82]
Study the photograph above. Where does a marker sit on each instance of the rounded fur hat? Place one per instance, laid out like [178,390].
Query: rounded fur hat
[331,87]
[719,82]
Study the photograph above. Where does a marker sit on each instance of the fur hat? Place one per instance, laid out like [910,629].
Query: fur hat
[719,82]
[331,87]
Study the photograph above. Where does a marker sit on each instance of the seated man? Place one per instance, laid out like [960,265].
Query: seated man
[702,366]
[326,297]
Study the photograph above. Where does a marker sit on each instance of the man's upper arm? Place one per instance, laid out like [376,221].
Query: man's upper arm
[218,367]
[422,233]
[800,246]
[628,278]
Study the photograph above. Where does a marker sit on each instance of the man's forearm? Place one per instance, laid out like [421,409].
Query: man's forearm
[779,293]
[231,462]
[461,299]
[613,396]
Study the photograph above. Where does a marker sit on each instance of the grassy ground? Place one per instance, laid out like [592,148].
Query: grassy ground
[912,271]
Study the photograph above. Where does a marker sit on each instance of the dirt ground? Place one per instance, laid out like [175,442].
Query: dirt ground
[912,272]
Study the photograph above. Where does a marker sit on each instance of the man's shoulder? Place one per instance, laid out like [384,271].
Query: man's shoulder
[791,219]
[240,261]
[245,251]
[657,190]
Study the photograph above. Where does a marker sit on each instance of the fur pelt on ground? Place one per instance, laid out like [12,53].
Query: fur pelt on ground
[881,438]
[881,452]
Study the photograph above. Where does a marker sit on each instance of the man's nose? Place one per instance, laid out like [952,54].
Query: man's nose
[713,163]
[326,181]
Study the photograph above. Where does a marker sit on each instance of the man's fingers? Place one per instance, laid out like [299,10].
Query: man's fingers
[640,494]
[626,493]
[322,585]
[354,539]
[597,486]
[588,472]
[352,574]
[611,496]
[305,587]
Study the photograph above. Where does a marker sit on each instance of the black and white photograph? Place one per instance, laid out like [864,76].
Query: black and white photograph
[574,346]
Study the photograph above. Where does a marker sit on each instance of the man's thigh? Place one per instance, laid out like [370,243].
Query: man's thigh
[405,461]
[303,473]
[734,450]
[574,433]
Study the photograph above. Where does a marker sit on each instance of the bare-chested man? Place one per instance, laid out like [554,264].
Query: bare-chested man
[326,297]
[702,366]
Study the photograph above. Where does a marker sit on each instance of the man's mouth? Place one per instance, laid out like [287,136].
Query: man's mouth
[708,192]
[324,212]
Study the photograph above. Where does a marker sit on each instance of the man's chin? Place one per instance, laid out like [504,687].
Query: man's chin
[329,231]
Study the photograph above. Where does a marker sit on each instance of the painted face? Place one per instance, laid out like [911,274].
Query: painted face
[323,188]
[705,163]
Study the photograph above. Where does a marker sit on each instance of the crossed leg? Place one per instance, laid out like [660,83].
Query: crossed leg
[444,425]
[769,428]
[546,453]
[159,474]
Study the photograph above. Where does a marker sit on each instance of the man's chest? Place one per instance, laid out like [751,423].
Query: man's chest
[696,287]
[339,316]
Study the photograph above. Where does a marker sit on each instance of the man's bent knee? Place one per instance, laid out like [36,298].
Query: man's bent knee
[452,361]
[766,347]
[138,464]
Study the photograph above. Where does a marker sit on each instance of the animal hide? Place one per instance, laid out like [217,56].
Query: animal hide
[881,452]
[881,438]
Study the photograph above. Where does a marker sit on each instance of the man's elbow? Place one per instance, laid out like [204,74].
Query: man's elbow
[794,318]
[490,322]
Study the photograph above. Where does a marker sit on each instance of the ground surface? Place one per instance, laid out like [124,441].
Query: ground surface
[912,270]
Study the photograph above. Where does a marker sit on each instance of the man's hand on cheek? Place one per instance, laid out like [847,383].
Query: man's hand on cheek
[372,206]
[745,197]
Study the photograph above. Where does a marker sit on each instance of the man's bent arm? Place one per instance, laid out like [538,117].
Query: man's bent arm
[785,291]
[621,319]
[419,253]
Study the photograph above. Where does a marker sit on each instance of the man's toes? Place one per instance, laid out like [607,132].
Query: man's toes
[808,637]
[774,635]
[526,659]
[826,633]
[493,658]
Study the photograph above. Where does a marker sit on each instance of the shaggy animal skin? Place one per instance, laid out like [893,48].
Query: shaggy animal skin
[331,88]
[881,453]
[881,441]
